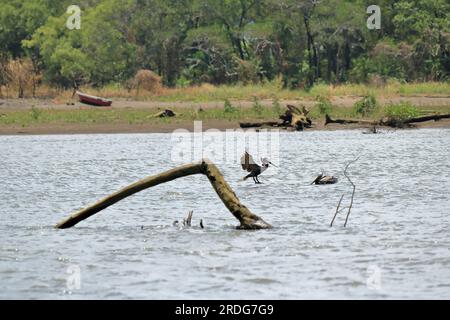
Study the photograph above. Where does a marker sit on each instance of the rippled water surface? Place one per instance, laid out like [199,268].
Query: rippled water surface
[396,244]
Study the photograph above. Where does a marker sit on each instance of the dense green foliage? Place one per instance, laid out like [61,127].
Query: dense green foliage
[366,106]
[401,111]
[324,104]
[301,42]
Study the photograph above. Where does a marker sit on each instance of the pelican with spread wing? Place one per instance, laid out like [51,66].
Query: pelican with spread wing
[249,165]
[322,179]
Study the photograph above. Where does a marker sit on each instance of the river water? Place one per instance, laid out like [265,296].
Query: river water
[396,244]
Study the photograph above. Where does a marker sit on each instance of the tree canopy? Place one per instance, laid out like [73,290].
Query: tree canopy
[302,42]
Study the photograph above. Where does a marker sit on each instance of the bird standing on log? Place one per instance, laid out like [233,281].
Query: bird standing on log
[249,165]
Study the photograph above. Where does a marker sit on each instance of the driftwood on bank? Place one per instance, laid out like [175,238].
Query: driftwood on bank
[388,122]
[247,219]
[436,117]
[329,120]
[246,125]
[294,117]
[165,114]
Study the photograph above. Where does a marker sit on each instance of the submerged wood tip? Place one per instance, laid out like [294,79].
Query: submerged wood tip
[62,227]
[258,224]
[69,222]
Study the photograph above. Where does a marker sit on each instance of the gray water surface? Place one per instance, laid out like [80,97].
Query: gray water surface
[396,244]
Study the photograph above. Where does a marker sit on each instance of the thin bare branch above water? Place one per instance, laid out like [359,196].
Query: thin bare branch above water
[338,208]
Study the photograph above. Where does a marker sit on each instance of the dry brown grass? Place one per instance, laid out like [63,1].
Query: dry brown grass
[266,91]
[146,80]
[20,79]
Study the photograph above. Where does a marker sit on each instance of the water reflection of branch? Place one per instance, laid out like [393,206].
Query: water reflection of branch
[338,208]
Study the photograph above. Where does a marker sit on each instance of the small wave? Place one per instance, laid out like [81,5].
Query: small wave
[262,281]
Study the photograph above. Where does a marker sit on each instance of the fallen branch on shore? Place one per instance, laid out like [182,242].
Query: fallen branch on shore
[247,219]
[436,117]
[329,120]
[165,114]
[246,125]
[388,122]
[294,117]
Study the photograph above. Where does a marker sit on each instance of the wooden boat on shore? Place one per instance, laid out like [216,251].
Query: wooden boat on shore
[93,100]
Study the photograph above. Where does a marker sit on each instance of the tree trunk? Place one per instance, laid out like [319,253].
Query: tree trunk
[20,94]
[248,220]
[329,120]
[310,47]
[427,118]
[347,51]
[245,125]
[389,122]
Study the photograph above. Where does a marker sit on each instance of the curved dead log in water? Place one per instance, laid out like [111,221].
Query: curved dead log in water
[247,219]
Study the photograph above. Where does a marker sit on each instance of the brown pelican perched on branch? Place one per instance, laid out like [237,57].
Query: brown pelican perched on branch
[249,165]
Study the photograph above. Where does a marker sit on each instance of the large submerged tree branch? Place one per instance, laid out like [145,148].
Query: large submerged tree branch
[247,219]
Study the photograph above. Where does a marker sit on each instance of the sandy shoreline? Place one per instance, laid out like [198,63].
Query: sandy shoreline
[123,127]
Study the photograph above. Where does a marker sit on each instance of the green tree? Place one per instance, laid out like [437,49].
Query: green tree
[426,25]
[229,41]
[100,52]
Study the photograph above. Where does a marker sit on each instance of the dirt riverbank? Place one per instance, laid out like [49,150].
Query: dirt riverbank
[26,106]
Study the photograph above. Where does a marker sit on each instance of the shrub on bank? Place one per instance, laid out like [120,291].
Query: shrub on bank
[228,107]
[401,111]
[323,104]
[366,106]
